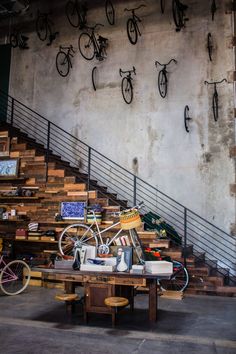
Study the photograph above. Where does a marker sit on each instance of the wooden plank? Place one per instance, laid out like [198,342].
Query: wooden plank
[173,295]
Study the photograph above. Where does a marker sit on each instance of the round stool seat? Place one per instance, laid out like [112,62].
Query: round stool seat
[66,297]
[116,301]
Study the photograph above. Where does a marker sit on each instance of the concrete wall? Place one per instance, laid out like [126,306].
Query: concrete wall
[194,168]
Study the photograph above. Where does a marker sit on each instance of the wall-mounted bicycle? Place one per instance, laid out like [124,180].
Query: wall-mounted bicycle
[209,45]
[215,98]
[17,39]
[76,13]
[178,11]
[90,46]
[186,118]
[162,78]
[63,60]
[110,12]
[132,25]
[94,77]
[44,28]
[213,9]
[126,85]
[162,4]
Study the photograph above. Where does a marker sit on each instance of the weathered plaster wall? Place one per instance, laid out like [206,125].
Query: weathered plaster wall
[193,168]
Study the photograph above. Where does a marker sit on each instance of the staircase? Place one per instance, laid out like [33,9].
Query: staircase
[61,167]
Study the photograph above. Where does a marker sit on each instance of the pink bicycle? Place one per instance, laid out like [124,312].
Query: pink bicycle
[14,276]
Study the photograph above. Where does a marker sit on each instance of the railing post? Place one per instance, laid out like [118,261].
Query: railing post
[185,237]
[135,191]
[89,166]
[48,148]
[12,110]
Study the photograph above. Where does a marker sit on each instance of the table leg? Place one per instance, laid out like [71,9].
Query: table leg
[152,300]
[69,287]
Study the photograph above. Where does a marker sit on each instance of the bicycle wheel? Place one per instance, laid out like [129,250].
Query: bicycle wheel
[62,64]
[127,90]
[110,12]
[162,83]
[13,40]
[132,31]
[177,15]
[179,279]
[162,6]
[215,107]
[72,13]
[86,46]
[94,78]
[209,45]
[15,277]
[41,28]
[75,236]
[137,246]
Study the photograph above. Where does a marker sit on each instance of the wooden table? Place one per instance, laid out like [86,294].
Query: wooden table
[106,283]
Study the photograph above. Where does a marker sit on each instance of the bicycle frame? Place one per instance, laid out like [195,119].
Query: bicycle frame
[136,19]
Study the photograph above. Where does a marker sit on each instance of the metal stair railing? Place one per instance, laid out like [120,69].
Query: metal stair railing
[105,175]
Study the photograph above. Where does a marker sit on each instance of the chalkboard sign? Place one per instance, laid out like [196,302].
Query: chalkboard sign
[9,168]
[73,210]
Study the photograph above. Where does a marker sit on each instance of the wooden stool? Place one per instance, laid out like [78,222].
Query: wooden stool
[69,300]
[115,302]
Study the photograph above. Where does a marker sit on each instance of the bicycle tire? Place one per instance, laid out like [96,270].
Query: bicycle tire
[177,15]
[137,245]
[14,40]
[162,83]
[110,12]
[179,280]
[62,62]
[132,31]
[72,14]
[75,236]
[127,90]
[41,28]
[209,45]
[162,6]
[20,271]
[86,46]
[215,107]
[94,78]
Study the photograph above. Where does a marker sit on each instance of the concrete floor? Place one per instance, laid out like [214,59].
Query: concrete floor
[33,322]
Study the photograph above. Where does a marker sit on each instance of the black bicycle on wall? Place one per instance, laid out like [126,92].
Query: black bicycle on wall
[213,9]
[110,12]
[132,25]
[76,13]
[44,28]
[186,118]
[94,77]
[63,60]
[126,85]
[90,46]
[162,4]
[210,45]
[178,11]
[215,98]
[162,78]
[17,39]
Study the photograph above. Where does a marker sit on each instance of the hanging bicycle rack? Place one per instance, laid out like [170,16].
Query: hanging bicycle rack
[162,77]
[213,9]
[186,118]
[209,45]
[215,98]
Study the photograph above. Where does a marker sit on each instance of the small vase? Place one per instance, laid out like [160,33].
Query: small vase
[122,265]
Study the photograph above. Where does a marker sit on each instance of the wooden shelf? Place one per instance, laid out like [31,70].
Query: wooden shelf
[13,180]
[37,241]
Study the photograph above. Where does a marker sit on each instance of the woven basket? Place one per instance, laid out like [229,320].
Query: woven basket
[130,219]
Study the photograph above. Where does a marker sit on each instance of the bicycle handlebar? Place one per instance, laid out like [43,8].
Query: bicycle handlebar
[215,82]
[157,62]
[69,48]
[93,28]
[128,71]
[136,8]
